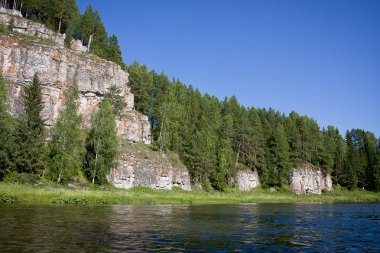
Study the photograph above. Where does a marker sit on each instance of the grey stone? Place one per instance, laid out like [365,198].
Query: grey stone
[309,179]
[247,180]
[148,169]
[57,69]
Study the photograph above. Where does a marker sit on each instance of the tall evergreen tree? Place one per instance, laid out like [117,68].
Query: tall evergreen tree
[67,147]
[114,52]
[351,163]
[65,12]
[91,30]
[116,100]
[281,154]
[7,146]
[141,83]
[102,144]
[30,132]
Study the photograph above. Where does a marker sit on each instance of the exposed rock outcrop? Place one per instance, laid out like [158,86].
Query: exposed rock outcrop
[247,180]
[30,28]
[32,48]
[308,179]
[139,166]
[57,68]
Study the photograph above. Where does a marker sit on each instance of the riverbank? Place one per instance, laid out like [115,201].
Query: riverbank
[28,194]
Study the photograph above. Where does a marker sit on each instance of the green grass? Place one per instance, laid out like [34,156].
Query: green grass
[28,194]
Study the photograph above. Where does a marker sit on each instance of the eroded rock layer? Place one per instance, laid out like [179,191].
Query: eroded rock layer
[308,179]
[247,180]
[139,166]
[57,69]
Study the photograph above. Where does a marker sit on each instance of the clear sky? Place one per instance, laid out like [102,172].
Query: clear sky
[318,58]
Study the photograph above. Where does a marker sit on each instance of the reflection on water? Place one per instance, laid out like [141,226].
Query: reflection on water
[266,227]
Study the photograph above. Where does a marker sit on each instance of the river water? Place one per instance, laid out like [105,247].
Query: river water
[191,228]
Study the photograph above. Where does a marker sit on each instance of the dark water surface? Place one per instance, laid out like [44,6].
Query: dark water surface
[173,228]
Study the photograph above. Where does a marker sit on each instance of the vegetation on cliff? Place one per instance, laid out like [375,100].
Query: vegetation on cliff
[29,152]
[213,138]
[63,16]
[216,138]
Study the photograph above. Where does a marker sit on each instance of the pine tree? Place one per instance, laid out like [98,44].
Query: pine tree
[114,52]
[141,82]
[116,100]
[7,145]
[281,154]
[91,30]
[102,144]
[349,177]
[30,132]
[67,147]
[65,12]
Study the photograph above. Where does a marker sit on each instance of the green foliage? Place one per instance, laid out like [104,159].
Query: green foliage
[56,14]
[141,83]
[114,52]
[11,25]
[7,144]
[116,100]
[30,132]
[91,31]
[101,144]
[66,151]
[22,178]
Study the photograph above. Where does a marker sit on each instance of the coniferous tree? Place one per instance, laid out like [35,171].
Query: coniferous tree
[30,132]
[66,146]
[91,30]
[7,145]
[141,83]
[351,163]
[102,144]
[114,52]
[281,154]
[116,100]
[64,11]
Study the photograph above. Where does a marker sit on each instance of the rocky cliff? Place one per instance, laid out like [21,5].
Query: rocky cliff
[35,49]
[140,166]
[309,179]
[246,180]
[32,48]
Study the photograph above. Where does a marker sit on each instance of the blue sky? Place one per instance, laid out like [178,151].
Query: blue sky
[318,58]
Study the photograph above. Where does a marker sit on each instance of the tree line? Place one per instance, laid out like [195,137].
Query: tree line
[214,138]
[217,138]
[63,16]
[29,151]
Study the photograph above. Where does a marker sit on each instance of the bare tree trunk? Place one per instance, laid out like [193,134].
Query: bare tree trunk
[160,139]
[89,43]
[14,4]
[96,162]
[60,22]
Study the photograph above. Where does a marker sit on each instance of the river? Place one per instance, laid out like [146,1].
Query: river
[191,228]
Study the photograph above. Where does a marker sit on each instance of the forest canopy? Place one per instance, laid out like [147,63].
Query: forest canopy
[214,138]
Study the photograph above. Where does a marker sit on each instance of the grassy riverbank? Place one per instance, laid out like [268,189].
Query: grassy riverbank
[27,194]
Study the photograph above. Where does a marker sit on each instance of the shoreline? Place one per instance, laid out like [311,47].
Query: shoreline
[55,195]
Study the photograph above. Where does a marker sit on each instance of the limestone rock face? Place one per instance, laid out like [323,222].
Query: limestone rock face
[57,68]
[76,45]
[141,167]
[308,179]
[30,28]
[247,180]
